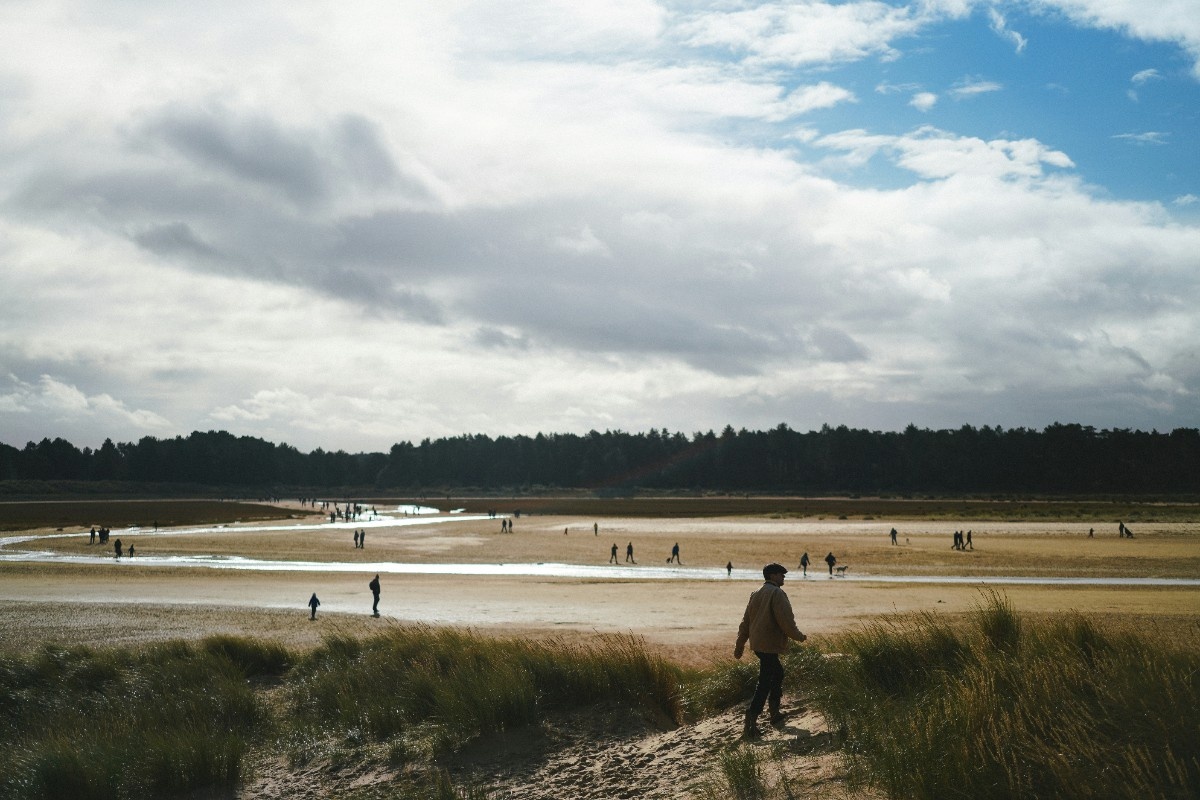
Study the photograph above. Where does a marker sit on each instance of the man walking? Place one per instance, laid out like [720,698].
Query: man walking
[374,587]
[767,624]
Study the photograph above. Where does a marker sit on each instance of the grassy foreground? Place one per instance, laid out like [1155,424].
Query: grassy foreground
[1003,706]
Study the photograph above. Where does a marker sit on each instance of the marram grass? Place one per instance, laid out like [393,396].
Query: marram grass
[1009,707]
[1002,707]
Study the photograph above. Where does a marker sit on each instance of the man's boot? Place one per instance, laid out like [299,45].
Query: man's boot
[750,730]
[777,716]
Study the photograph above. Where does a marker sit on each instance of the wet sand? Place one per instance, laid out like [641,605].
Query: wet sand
[92,599]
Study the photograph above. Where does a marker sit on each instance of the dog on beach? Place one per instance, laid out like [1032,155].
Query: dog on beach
[841,571]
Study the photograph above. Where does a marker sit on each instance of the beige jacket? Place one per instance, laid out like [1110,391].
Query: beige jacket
[768,622]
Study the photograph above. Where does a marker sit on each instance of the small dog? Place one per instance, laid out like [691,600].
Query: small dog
[841,571]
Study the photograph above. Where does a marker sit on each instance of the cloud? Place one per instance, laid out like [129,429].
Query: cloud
[431,219]
[1147,137]
[933,154]
[69,406]
[1173,21]
[972,87]
[1186,200]
[1000,27]
[1144,76]
[923,101]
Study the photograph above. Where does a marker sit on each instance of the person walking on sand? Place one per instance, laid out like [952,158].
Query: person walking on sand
[674,554]
[117,548]
[729,570]
[767,624]
[830,560]
[968,542]
[362,539]
[804,564]
[374,587]
[894,534]
[612,559]
[313,602]
[629,553]
[356,538]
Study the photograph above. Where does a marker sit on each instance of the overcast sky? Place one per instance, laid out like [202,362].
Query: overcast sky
[346,228]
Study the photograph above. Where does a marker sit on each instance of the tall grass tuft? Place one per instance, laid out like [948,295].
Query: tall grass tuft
[434,689]
[1011,708]
[90,723]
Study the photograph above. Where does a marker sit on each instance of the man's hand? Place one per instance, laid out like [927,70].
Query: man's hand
[802,638]
[737,652]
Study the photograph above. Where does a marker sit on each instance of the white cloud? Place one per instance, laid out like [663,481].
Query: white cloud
[923,101]
[1146,137]
[1186,200]
[1174,21]
[1000,27]
[971,87]
[344,229]
[1144,76]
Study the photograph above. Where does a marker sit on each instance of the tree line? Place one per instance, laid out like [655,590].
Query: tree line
[1062,458]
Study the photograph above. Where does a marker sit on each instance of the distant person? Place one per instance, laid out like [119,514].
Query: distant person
[629,553]
[93,539]
[612,559]
[1091,533]
[804,564]
[830,560]
[374,587]
[968,544]
[313,602]
[362,539]
[1121,529]
[355,538]
[595,528]
[767,624]
[117,548]
[674,554]
[131,551]
[564,531]
[894,534]
[729,570]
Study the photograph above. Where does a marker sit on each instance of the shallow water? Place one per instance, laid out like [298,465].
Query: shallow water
[10,552]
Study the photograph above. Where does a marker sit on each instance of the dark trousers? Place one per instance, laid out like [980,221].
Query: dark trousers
[770,684]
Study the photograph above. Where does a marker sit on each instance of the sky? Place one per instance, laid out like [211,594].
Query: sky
[349,225]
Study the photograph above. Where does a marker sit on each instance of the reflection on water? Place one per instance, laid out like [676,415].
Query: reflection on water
[421,515]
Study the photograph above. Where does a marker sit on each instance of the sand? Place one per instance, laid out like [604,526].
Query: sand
[92,599]
[104,601]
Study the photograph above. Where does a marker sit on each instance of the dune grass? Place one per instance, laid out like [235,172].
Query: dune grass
[112,723]
[428,691]
[924,707]
[1008,707]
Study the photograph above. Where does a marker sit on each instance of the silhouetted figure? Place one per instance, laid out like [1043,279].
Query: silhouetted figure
[595,528]
[356,539]
[767,624]
[894,536]
[131,551]
[613,558]
[374,587]
[1121,530]
[804,564]
[674,554]
[629,553]
[830,560]
[362,539]
[1091,533]
[729,570]
[971,546]
[117,548]
[92,540]
[313,602]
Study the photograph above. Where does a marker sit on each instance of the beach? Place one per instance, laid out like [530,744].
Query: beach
[552,576]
